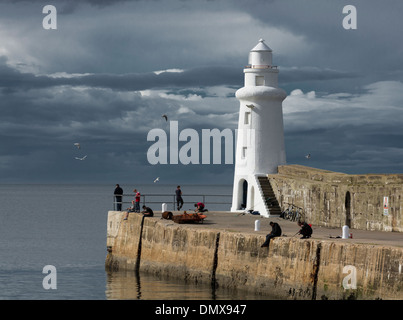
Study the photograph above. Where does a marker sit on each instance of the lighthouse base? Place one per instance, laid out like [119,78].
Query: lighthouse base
[252,193]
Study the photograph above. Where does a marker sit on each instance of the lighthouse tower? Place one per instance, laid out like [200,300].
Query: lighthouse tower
[260,139]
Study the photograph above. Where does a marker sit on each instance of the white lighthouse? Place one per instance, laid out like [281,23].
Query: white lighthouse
[260,141]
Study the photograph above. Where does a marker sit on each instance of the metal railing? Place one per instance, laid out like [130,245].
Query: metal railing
[209,200]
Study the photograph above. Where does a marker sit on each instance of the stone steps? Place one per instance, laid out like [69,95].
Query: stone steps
[269,196]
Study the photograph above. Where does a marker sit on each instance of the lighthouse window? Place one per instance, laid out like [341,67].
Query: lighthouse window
[247,118]
[259,80]
[244,152]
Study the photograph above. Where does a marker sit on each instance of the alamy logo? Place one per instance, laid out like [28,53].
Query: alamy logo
[350,20]
[50,280]
[50,21]
[350,281]
[213,144]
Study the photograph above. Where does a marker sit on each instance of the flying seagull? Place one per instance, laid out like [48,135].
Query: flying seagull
[77,145]
[165,116]
[83,158]
[308,156]
[156,180]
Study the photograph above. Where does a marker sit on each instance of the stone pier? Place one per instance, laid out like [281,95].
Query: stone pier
[225,251]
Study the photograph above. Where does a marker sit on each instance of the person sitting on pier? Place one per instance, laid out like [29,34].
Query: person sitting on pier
[130,209]
[275,232]
[306,230]
[200,207]
[147,212]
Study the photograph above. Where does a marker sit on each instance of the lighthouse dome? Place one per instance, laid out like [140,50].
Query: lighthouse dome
[260,56]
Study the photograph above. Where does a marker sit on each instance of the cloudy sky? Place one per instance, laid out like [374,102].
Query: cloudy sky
[105,76]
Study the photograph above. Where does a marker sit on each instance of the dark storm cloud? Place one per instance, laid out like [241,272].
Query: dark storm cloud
[13,79]
[208,76]
[82,82]
[307,74]
[372,50]
[92,2]
[351,133]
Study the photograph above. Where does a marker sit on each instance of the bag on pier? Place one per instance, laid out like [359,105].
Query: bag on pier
[167,215]
[189,218]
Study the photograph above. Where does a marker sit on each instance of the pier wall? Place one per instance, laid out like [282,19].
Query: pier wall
[334,199]
[289,269]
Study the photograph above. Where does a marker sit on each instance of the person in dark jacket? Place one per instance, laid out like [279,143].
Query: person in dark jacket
[179,200]
[306,230]
[118,194]
[147,211]
[275,232]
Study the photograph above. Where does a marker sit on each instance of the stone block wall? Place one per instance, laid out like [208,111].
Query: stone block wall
[334,199]
[289,269]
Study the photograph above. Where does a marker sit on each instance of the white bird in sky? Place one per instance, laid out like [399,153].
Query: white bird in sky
[83,158]
[156,180]
[165,116]
[77,145]
[308,156]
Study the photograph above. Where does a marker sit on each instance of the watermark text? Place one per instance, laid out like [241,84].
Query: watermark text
[50,20]
[211,147]
[350,20]
[50,280]
[350,281]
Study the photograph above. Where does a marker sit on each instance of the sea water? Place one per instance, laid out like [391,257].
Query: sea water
[65,226]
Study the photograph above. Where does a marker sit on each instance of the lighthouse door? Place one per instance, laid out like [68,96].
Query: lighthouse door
[244,194]
[348,209]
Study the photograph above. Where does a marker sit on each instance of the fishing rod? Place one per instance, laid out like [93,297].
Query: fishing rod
[295,234]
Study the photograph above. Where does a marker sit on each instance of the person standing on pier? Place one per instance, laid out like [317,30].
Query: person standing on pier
[179,200]
[118,196]
[136,202]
